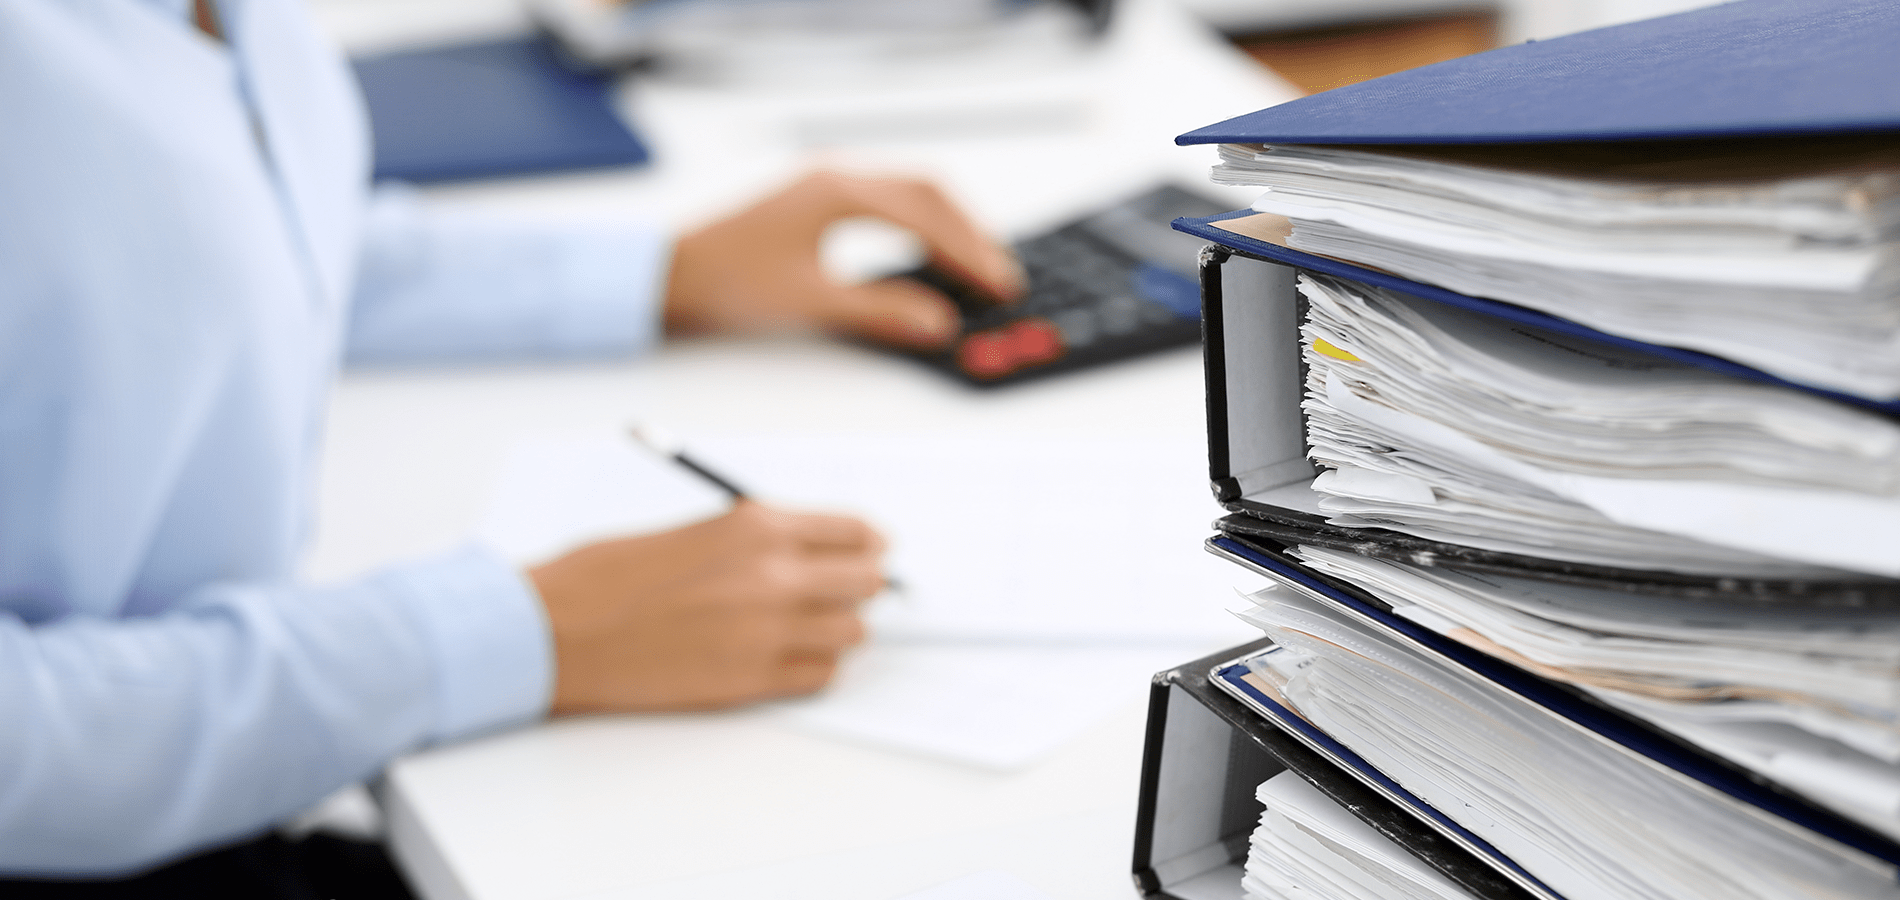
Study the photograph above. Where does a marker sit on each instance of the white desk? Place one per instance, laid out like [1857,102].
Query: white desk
[666,806]
[732,805]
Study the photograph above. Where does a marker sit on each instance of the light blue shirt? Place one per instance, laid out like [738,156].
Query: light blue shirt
[187,250]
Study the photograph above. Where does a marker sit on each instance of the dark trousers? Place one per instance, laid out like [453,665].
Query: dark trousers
[318,867]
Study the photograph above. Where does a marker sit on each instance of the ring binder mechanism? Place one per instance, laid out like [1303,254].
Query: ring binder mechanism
[1558,397]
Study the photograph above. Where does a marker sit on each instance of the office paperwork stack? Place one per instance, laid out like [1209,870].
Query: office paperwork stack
[1558,391]
[1777,253]
[1307,845]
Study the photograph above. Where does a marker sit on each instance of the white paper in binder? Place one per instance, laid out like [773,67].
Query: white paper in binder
[1458,427]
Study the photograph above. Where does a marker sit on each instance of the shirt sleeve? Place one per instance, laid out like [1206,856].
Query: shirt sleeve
[257,699]
[437,287]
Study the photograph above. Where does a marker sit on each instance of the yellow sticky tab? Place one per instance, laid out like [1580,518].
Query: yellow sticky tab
[1326,349]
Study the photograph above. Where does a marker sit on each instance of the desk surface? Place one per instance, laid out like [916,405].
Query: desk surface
[722,806]
[712,805]
[733,804]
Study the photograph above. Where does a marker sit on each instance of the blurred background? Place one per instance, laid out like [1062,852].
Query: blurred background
[1322,44]
[727,98]
[1315,44]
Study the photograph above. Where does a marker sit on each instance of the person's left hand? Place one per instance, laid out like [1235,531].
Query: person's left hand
[759,269]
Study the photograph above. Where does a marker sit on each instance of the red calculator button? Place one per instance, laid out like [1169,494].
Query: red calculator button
[1000,351]
[1037,341]
[987,354]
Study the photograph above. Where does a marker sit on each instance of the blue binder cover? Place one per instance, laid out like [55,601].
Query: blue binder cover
[508,107]
[1755,67]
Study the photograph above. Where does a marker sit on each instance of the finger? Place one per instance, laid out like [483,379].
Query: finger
[802,673]
[835,579]
[897,311]
[819,533]
[806,531]
[954,241]
[827,632]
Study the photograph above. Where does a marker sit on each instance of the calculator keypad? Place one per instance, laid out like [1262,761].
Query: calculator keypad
[1089,299]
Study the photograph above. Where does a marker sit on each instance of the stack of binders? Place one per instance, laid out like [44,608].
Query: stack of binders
[1556,391]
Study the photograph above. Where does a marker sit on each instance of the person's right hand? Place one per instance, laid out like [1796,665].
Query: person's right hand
[759,270]
[752,605]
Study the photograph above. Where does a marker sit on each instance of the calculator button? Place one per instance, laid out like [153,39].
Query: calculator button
[1077,326]
[1018,345]
[1167,288]
[1156,314]
[1037,341]
[986,354]
[1119,314]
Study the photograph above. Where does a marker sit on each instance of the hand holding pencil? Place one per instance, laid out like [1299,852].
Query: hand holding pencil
[754,604]
[665,443]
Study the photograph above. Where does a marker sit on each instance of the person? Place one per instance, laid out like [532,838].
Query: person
[189,252]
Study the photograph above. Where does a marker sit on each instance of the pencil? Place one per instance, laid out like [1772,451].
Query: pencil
[664,443]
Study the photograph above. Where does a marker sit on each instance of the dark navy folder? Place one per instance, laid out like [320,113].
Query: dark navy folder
[507,107]
[1755,67]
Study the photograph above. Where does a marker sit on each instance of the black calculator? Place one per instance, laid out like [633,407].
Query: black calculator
[1113,284]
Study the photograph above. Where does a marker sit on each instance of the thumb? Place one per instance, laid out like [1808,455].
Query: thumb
[895,311]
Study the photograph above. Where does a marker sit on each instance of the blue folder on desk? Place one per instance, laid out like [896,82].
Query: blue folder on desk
[497,108]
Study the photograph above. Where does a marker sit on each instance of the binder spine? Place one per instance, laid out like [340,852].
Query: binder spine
[1214,359]
[1147,883]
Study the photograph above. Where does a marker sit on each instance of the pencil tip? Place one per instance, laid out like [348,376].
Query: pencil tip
[656,439]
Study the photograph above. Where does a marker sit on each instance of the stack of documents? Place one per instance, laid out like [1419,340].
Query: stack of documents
[1308,846]
[1781,255]
[1582,815]
[1460,427]
[1809,698]
[1599,371]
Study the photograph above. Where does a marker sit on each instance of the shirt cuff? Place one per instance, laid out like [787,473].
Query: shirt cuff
[612,282]
[444,287]
[490,639]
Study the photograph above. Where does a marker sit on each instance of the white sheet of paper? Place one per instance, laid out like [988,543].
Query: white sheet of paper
[1039,539]
[1826,527]
[1593,455]
[1000,707]
[1334,842]
[1044,580]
